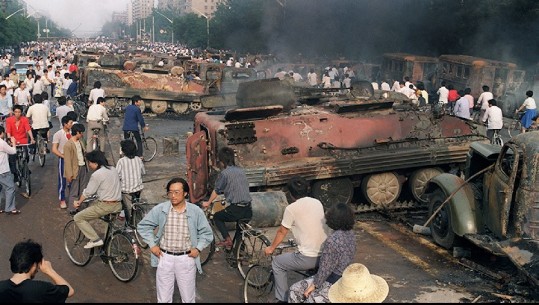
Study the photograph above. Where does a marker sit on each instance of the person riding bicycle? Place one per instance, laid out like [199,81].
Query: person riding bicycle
[97,117]
[40,116]
[95,93]
[338,252]
[18,127]
[232,182]
[130,170]
[531,111]
[132,119]
[305,217]
[493,115]
[105,183]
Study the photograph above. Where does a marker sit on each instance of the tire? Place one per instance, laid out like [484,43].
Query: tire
[258,285]
[498,141]
[207,253]
[26,184]
[94,144]
[250,251]
[136,217]
[74,242]
[41,153]
[149,149]
[514,128]
[122,258]
[440,226]
[333,191]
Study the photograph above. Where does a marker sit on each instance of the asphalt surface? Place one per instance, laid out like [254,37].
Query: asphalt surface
[415,269]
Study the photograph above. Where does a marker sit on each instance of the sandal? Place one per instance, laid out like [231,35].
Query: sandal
[14,212]
[2,211]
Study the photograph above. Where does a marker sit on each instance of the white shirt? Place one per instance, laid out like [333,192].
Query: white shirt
[305,218]
[529,103]
[95,94]
[23,96]
[484,98]
[9,85]
[312,78]
[40,116]
[443,93]
[375,85]
[494,116]
[97,112]
[38,87]
[5,150]
[385,86]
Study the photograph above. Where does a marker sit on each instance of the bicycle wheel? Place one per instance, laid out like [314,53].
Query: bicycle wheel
[122,257]
[41,152]
[94,143]
[25,179]
[258,285]
[74,242]
[137,213]
[498,141]
[515,127]
[149,149]
[207,253]
[250,251]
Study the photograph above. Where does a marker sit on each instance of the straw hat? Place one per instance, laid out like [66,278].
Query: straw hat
[357,285]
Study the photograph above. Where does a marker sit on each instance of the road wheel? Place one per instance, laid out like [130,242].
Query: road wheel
[142,106]
[158,107]
[180,107]
[333,191]
[441,227]
[381,189]
[418,181]
[195,106]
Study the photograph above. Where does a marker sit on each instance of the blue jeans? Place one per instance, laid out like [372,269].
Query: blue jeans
[8,185]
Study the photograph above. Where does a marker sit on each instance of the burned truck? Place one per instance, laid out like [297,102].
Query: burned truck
[338,145]
[161,89]
[496,207]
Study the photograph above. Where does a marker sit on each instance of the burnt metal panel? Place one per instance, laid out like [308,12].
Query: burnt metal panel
[197,166]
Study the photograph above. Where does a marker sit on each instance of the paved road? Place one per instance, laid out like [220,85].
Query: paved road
[414,268]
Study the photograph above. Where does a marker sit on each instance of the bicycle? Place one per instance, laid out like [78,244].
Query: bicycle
[247,245]
[515,127]
[41,149]
[149,145]
[119,250]
[496,138]
[23,171]
[259,281]
[138,211]
[80,105]
[95,142]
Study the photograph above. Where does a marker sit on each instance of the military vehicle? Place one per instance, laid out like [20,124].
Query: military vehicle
[161,88]
[498,209]
[371,142]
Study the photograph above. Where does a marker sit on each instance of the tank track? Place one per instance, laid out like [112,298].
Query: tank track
[397,206]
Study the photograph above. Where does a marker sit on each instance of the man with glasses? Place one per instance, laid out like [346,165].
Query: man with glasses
[182,232]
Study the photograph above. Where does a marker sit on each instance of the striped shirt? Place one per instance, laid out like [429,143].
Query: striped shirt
[176,236]
[130,172]
[232,182]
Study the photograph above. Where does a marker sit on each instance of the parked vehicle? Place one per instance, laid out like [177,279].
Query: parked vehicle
[497,210]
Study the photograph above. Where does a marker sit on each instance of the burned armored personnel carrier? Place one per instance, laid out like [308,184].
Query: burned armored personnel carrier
[161,88]
[374,144]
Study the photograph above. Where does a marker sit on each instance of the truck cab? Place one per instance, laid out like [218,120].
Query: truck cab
[497,209]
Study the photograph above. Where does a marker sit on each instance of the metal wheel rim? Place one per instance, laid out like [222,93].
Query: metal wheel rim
[248,253]
[148,152]
[195,106]
[74,242]
[258,284]
[158,107]
[419,181]
[382,189]
[180,108]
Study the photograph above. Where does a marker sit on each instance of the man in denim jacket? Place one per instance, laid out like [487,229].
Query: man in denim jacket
[183,231]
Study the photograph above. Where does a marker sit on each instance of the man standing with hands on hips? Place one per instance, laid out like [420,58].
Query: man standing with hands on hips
[182,232]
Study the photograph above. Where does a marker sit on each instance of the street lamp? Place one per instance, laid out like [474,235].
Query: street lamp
[171,22]
[207,26]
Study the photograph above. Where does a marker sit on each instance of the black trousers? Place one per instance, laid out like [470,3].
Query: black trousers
[230,214]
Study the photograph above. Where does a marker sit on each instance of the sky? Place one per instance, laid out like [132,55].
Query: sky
[83,17]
